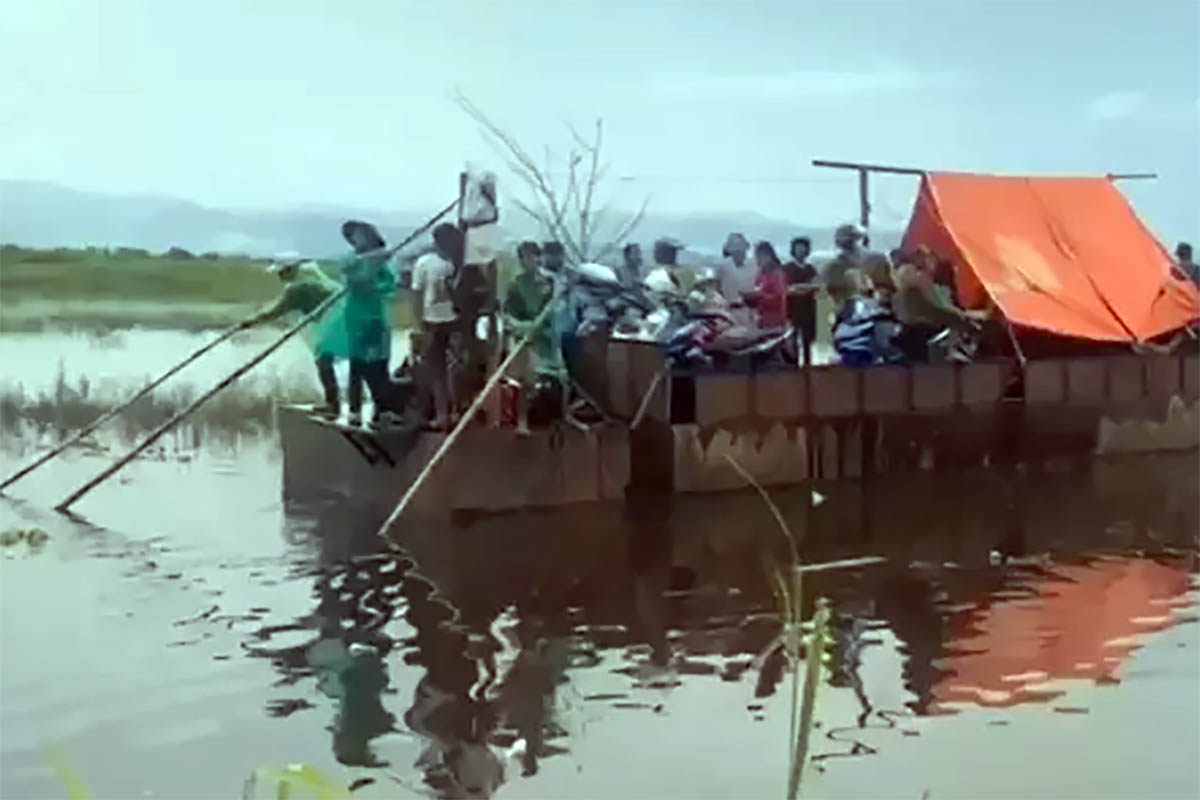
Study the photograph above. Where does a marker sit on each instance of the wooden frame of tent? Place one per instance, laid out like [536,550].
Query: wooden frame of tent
[864,170]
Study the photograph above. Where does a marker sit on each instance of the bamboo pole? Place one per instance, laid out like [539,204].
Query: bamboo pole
[388,252]
[479,400]
[103,418]
[158,432]
[645,404]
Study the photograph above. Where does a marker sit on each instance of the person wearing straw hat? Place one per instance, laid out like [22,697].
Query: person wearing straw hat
[305,288]
[370,284]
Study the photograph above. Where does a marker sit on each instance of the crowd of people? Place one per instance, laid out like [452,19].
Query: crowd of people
[884,309]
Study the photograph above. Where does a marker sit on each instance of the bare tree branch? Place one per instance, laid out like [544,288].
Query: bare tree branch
[569,216]
[623,234]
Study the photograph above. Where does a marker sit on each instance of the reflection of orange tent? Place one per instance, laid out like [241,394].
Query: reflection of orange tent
[1080,622]
[1064,255]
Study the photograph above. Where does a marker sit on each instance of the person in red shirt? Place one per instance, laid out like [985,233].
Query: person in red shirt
[770,288]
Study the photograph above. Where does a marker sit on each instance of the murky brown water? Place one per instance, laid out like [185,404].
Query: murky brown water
[1029,635]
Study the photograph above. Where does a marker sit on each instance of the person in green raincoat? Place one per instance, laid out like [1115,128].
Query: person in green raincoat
[370,282]
[305,288]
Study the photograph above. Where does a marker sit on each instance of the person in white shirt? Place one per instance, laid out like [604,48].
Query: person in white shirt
[432,278]
[737,275]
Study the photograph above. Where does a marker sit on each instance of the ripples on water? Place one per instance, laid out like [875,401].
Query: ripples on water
[1029,635]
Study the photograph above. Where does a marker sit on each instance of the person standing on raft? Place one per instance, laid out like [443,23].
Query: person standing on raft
[370,283]
[305,288]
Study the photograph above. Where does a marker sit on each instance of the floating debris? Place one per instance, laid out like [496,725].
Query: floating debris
[34,539]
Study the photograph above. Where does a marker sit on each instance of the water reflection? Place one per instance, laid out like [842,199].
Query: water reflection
[993,601]
[345,645]
[1048,624]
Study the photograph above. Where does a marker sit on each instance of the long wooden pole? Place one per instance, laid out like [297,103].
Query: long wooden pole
[388,252]
[479,400]
[158,432]
[103,418]
[864,200]
[645,404]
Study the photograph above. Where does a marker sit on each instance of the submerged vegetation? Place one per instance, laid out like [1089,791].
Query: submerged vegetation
[22,541]
[804,654]
[72,405]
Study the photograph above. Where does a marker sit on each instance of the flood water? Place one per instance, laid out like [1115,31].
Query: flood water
[1029,634]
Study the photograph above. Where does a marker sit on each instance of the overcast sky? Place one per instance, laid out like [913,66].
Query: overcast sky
[264,104]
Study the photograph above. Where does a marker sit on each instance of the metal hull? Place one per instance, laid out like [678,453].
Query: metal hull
[785,427]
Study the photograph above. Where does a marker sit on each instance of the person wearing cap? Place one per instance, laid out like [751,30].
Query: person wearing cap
[306,287]
[737,274]
[843,280]
[370,284]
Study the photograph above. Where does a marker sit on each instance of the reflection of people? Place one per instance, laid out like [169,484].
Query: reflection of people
[458,760]
[355,602]
[907,603]
[651,551]
[305,288]
[354,675]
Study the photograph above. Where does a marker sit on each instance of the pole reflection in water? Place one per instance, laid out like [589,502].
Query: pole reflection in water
[987,602]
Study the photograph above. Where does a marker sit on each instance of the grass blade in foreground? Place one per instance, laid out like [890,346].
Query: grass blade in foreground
[65,772]
[812,676]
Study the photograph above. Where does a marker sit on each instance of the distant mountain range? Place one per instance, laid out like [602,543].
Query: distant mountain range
[39,214]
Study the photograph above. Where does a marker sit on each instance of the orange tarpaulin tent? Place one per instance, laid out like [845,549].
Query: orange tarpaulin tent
[1064,255]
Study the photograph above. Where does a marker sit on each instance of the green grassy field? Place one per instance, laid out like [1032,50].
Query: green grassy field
[131,275]
[97,289]
[106,289]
